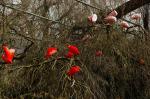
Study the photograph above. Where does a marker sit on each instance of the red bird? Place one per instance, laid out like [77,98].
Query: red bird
[141,61]
[50,52]
[69,55]
[73,70]
[73,49]
[8,54]
[99,53]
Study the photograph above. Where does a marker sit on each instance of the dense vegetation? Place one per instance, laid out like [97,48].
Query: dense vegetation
[122,71]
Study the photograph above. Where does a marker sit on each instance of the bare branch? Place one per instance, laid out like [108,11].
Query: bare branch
[88,5]
[26,12]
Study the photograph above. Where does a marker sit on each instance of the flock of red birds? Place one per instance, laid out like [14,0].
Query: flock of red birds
[72,50]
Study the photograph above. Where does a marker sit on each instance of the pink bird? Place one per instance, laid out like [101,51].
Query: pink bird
[113,13]
[110,20]
[92,18]
[124,24]
[136,16]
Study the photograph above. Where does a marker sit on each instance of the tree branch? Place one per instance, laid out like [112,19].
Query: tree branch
[130,6]
[26,12]
[86,4]
[23,54]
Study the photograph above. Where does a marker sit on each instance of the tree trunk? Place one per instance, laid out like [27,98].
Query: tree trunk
[146,17]
[130,6]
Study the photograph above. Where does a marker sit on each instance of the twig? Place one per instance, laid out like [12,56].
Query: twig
[136,25]
[26,37]
[23,54]
[41,63]
[26,12]
[84,3]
